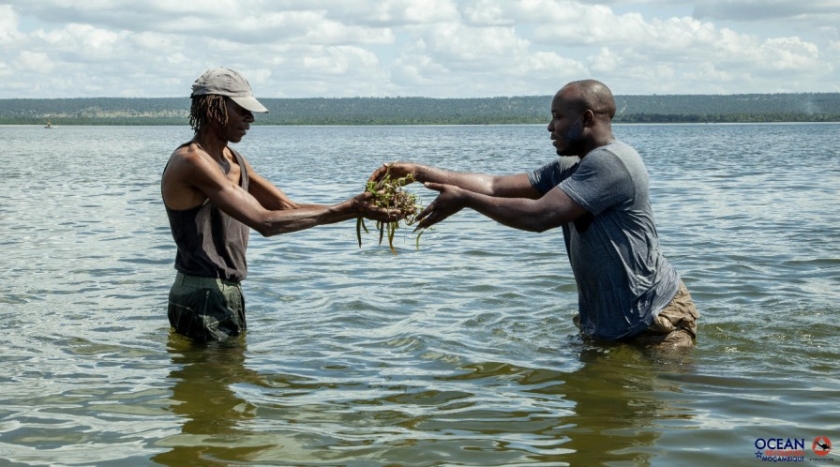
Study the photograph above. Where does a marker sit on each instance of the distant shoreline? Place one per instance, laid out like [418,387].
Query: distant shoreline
[742,108]
[258,124]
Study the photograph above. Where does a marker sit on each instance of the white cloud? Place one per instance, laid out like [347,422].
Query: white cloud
[388,13]
[83,41]
[757,10]
[436,48]
[459,46]
[37,62]
[575,23]
[789,53]
[487,13]
[417,70]
[707,72]
[340,60]
[8,25]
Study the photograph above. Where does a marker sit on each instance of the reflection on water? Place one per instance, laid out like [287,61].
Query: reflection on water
[618,404]
[606,411]
[203,377]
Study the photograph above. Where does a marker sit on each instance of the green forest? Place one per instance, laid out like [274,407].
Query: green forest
[791,107]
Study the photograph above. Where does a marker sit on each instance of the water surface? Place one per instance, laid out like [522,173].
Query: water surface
[460,353]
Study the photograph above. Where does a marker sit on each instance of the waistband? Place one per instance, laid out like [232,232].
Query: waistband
[198,281]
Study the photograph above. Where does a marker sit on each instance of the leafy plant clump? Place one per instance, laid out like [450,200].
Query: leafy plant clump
[388,193]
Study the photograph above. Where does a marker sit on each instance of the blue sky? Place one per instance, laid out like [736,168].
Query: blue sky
[432,48]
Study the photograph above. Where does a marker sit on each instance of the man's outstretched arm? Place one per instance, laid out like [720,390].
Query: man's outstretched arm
[506,186]
[192,174]
[552,210]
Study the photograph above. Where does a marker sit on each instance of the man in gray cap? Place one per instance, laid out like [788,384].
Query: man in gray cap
[213,197]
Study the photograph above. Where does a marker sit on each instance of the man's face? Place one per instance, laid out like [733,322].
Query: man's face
[566,127]
[239,121]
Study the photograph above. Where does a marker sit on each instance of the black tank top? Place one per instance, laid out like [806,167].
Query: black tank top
[211,243]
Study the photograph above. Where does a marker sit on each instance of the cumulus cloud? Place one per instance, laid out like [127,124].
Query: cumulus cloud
[8,25]
[758,10]
[436,48]
[387,13]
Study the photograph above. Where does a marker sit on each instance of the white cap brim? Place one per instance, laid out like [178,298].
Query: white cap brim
[250,103]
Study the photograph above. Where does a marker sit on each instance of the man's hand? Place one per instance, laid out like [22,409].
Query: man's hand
[450,200]
[364,206]
[395,170]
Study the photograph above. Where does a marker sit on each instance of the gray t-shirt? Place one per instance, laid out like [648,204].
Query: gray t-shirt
[622,278]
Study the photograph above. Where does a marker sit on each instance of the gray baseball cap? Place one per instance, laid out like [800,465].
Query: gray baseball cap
[227,82]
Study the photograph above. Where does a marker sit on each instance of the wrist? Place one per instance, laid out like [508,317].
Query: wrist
[418,172]
[352,206]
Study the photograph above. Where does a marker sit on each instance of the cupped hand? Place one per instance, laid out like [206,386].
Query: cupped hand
[450,200]
[395,170]
[363,204]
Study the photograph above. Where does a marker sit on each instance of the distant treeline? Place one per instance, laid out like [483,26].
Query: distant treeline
[794,107]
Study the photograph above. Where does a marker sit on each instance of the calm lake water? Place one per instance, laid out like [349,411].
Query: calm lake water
[461,353]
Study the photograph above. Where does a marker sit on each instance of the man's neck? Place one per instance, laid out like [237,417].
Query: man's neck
[211,144]
[601,136]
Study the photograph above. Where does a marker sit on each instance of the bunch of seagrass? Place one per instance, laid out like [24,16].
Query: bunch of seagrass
[388,193]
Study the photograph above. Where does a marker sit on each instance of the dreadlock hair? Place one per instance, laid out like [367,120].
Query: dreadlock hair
[207,109]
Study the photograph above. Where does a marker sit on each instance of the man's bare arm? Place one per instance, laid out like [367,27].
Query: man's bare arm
[505,186]
[244,207]
[192,172]
[552,210]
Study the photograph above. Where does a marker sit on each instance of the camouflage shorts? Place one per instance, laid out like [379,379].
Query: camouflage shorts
[206,309]
[675,325]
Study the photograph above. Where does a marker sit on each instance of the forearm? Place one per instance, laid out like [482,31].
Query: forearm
[304,217]
[518,213]
[475,182]
[503,186]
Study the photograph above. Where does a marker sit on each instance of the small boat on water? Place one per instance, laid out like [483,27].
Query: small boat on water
[49,125]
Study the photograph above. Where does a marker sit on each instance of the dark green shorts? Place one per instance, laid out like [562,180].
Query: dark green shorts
[206,309]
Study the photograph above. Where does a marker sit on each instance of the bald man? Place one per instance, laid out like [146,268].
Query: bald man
[597,192]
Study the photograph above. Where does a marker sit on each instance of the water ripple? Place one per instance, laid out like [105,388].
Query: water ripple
[461,352]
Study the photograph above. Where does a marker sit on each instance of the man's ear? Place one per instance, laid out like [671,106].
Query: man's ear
[588,117]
